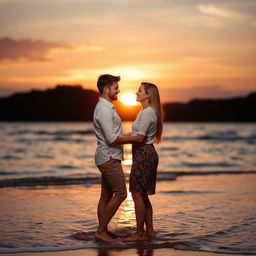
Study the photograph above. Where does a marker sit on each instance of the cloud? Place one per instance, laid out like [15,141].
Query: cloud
[223,18]
[13,50]
[220,12]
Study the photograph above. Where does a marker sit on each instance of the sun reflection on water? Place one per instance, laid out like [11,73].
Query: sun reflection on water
[126,215]
[127,162]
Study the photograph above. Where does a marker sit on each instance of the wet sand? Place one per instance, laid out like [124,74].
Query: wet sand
[128,252]
[192,214]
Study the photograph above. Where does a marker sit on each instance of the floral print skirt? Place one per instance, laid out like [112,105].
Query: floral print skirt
[144,169]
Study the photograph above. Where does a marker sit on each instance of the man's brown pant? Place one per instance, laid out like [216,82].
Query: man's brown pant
[112,180]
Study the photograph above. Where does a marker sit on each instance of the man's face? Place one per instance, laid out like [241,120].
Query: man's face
[113,91]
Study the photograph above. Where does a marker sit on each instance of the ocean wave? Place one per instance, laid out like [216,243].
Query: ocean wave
[95,179]
[48,181]
[8,173]
[189,192]
[10,157]
[228,135]
[157,243]
[89,242]
[25,173]
[200,165]
[188,246]
[90,245]
[93,245]
[31,141]
[220,136]
[52,133]
[46,248]
[219,241]
[65,166]
[166,175]
[169,149]
[44,156]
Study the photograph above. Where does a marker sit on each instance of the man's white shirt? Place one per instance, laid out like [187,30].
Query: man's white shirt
[107,127]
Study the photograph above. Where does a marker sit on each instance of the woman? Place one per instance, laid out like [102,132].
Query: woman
[145,159]
[147,128]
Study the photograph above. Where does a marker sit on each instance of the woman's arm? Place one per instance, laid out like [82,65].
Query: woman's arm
[127,134]
[129,139]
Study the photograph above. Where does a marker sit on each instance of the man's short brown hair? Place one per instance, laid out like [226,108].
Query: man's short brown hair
[106,81]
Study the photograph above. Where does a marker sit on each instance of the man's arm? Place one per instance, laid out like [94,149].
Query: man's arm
[129,139]
[105,121]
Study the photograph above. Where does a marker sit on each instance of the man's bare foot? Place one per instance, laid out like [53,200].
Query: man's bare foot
[134,237]
[112,235]
[106,238]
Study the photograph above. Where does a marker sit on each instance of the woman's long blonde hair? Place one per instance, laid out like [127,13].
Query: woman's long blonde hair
[155,102]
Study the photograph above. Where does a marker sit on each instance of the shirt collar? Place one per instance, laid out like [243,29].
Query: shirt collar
[106,102]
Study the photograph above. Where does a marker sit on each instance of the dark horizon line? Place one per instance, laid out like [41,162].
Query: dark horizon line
[81,86]
[74,103]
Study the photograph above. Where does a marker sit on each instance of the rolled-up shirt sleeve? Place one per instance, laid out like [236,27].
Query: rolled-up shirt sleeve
[105,120]
[145,120]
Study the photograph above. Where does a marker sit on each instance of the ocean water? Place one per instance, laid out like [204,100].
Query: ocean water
[205,201]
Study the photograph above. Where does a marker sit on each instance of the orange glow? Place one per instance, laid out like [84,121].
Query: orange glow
[199,69]
[129,99]
[127,112]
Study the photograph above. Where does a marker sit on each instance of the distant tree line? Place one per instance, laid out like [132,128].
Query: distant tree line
[63,103]
[73,103]
[241,109]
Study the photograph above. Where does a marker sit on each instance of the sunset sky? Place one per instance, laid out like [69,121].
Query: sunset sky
[189,48]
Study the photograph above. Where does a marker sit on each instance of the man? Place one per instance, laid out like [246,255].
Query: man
[108,156]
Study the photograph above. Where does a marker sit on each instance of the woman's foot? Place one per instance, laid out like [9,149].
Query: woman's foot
[134,237]
[151,235]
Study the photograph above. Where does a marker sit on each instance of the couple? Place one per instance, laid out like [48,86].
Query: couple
[146,129]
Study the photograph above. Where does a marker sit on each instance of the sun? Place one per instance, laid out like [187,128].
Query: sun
[129,99]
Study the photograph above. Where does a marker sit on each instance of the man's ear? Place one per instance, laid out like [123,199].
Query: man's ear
[106,90]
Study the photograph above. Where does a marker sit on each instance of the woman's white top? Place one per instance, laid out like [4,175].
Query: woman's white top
[146,124]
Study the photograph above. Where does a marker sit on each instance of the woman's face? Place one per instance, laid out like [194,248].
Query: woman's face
[141,94]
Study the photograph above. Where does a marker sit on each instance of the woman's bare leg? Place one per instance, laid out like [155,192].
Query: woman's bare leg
[140,212]
[148,216]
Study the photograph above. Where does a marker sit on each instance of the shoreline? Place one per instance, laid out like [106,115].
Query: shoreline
[121,252]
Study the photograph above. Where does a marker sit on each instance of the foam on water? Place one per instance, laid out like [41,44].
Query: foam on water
[47,248]
[92,178]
